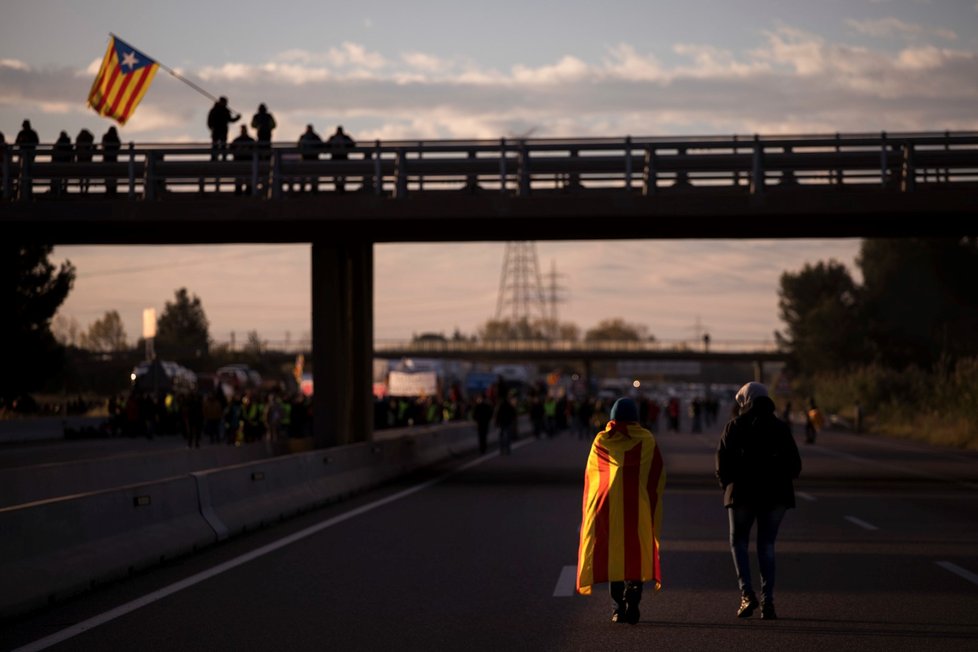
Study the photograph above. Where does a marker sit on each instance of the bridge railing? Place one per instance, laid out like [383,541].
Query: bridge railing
[432,347]
[646,165]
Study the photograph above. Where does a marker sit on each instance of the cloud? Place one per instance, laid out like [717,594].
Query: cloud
[890,26]
[789,81]
[14,64]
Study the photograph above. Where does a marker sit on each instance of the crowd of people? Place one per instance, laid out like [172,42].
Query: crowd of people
[242,148]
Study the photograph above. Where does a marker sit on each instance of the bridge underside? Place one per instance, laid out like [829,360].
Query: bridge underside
[791,211]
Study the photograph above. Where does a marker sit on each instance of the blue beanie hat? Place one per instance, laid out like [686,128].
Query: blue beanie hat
[624,410]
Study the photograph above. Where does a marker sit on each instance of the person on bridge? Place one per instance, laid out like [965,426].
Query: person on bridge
[84,149]
[241,149]
[756,463]
[263,123]
[622,513]
[310,143]
[111,144]
[218,119]
[339,145]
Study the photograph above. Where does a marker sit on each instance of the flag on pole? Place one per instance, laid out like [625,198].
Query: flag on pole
[622,511]
[123,79]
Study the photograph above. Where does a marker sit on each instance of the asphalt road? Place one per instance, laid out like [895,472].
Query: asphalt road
[881,554]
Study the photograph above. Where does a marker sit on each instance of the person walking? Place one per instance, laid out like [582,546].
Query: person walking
[814,421]
[756,463]
[482,415]
[622,513]
[505,417]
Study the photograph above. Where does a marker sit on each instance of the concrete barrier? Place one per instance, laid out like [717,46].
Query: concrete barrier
[26,484]
[55,548]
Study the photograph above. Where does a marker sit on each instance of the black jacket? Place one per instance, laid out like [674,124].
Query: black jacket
[757,459]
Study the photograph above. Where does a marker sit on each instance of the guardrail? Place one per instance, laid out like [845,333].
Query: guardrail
[899,161]
[558,346]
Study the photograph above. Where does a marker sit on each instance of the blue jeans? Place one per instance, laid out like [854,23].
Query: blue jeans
[768,521]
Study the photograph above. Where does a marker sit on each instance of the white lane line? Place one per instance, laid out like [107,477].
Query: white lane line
[566,583]
[861,523]
[149,598]
[957,570]
[805,496]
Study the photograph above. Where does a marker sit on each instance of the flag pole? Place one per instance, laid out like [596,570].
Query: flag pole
[174,73]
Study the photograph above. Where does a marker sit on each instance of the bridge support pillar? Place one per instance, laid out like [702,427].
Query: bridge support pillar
[342,342]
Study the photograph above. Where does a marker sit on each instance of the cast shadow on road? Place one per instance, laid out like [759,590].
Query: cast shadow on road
[833,627]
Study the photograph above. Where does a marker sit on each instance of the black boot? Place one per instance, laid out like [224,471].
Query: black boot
[767,611]
[748,603]
[618,597]
[633,595]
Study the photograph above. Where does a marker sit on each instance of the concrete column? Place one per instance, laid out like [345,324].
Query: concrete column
[342,341]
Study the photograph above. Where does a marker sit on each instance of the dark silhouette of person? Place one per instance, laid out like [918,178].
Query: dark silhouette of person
[263,123]
[242,148]
[84,150]
[62,153]
[339,145]
[310,143]
[218,119]
[482,415]
[110,154]
[756,463]
[26,142]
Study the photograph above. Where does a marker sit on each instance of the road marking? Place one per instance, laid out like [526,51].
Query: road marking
[149,598]
[957,570]
[810,498]
[566,583]
[861,523]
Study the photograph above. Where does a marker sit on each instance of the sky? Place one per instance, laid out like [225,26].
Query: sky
[437,69]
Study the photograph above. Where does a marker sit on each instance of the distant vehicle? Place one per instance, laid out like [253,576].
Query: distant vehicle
[239,377]
[163,376]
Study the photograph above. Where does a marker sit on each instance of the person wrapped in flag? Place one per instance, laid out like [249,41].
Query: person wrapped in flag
[122,81]
[622,512]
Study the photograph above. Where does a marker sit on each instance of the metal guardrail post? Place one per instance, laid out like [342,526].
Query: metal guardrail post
[757,168]
[649,181]
[788,175]
[400,171]
[736,172]
[682,177]
[6,172]
[884,163]
[277,175]
[471,179]
[149,182]
[502,165]
[420,155]
[524,173]
[378,179]
[840,176]
[628,162]
[132,170]
[908,174]
[947,146]
[254,172]
[26,185]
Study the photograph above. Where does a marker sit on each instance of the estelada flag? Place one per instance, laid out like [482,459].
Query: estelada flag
[622,513]
[123,79]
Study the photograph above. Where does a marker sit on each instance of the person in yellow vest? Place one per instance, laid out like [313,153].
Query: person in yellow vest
[622,513]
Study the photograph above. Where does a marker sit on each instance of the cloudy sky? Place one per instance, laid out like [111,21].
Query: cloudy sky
[438,69]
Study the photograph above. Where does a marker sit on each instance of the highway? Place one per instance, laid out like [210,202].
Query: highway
[881,554]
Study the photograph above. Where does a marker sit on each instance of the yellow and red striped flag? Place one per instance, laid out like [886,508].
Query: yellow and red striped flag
[123,79]
[622,513]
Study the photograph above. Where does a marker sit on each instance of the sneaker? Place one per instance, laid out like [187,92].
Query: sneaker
[748,603]
[618,616]
[767,611]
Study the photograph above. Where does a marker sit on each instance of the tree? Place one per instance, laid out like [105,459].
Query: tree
[921,299]
[617,330]
[65,330]
[182,330]
[31,290]
[505,329]
[106,334]
[820,308]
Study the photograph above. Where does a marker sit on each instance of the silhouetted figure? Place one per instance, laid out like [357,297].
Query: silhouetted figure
[310,143]
[756,463]
[218,119]
[84,149]
[814,421]
[242,148]
[62,153]
[339,145]
[26,143]
[110,154]
[482,415]
[263,123]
